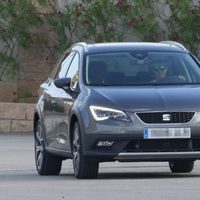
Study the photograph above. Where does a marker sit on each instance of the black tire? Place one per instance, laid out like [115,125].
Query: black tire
[181,166]
[46,163]
[83,167]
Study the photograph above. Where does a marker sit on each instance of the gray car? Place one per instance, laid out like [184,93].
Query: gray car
[119,102]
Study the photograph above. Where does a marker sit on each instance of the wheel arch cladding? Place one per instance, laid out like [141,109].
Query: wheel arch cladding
[73,120]
[36,118]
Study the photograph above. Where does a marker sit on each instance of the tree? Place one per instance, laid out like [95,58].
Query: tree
[16,18]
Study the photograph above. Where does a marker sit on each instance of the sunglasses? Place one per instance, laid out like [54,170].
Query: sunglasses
[159,67]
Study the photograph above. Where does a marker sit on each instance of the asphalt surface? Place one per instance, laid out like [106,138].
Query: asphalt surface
[118,181]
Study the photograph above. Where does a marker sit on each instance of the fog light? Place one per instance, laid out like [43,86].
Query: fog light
[105,143]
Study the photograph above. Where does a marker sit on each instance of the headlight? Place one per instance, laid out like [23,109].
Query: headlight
[102,113]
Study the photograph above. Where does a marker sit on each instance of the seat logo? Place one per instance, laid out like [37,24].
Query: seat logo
[166,117]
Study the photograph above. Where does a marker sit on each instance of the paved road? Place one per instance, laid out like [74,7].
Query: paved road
[117,181]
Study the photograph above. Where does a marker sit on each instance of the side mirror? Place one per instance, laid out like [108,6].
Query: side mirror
[62,83]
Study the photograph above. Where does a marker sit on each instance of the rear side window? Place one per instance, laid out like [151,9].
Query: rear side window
[65,65]
[73,71]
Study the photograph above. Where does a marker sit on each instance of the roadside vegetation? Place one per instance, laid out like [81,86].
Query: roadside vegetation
[96,21]
[16,18]
[108,20]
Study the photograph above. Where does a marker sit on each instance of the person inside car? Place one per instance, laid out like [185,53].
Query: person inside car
[159,71]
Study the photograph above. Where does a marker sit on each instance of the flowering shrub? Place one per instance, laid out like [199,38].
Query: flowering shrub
[99,21]
[119,20]
[104,21]
[16,18]
[184,23]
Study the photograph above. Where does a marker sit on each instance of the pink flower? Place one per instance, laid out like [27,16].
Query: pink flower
[128,7]
[132,22]
[171,5]
[119,3]
[78,14]
[86,22]
[81,5]
[194,10]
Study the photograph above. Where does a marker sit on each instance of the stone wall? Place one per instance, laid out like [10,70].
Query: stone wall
[36,63]
[16,117]
[8,90]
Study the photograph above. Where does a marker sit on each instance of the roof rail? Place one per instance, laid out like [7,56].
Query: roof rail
[83,44]
[180,46]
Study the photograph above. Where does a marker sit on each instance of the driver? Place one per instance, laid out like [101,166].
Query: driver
[159,71]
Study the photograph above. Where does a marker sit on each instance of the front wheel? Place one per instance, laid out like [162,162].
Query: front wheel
[83,167]
[46,163]
[181,166]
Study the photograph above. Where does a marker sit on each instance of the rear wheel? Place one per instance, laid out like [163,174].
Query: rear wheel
[46,163]
[181,166]
[83,167]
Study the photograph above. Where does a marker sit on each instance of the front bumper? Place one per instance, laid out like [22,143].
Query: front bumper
[157,156]
[135,148]
[130,144]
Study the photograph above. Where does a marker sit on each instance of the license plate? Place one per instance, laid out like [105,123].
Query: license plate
[164,133]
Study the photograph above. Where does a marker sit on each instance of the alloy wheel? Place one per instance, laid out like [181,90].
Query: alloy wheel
[39,147]
[76,149]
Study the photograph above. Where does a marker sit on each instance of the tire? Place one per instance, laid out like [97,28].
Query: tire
[83,167]
[181,166]
[46,163]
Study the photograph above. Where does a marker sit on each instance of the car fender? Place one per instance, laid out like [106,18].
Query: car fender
[80,114]
[39,112]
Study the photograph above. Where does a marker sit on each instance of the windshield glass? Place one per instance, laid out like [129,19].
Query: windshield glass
[141,68]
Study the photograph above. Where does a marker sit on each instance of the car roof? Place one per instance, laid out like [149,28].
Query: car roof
[133,46]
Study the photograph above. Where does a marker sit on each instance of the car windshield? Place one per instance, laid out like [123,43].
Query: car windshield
[141,68]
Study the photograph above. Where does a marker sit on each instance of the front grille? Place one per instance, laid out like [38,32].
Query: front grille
[165,117]
[163,145]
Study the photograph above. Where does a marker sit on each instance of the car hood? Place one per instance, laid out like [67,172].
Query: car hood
[155,98]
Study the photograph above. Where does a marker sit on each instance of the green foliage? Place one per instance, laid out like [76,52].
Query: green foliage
[43,3]
[184,23]
[23,96]
[97,21]
[109,20]
[9,66]
[140,18]
[16,17]
[103,21]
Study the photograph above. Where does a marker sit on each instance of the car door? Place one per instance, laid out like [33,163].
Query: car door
[64,102]
[50,95]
